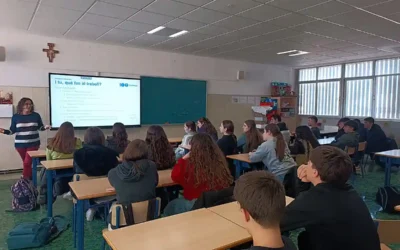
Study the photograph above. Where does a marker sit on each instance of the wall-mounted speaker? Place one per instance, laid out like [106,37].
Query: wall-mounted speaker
[240,75]
[2,54]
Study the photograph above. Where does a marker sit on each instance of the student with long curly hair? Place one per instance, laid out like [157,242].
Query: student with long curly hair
[119,139]
[250,139]
[205,126]
[160,151]
[203,169]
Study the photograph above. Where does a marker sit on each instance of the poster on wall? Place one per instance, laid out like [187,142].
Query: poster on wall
[6,98]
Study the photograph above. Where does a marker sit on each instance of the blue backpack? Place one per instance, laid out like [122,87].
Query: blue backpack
[24,196]
[31,234]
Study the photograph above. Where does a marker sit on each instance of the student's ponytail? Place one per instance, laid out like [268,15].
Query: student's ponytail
[280,141]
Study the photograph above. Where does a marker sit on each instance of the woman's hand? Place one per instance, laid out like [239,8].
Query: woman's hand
[302,173]
[2,130]
[47,127]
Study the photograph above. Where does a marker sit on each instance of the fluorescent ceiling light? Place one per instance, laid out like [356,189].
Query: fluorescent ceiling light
[300,53]
[286,52]
[179,33]
[156,30]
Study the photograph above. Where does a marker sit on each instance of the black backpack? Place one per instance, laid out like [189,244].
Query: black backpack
[388,198]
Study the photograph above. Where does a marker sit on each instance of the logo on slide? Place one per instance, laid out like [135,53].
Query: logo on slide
[124,84]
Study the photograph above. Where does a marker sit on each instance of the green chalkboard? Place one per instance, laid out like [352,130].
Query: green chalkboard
[172,101]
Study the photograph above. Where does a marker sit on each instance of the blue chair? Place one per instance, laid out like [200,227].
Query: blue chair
[105,205]
[139,212]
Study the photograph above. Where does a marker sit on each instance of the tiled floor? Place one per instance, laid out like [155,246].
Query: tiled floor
[93,238]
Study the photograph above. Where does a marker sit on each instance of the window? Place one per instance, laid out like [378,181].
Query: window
[307,99]
[358,98]
[370,88]
[328,98]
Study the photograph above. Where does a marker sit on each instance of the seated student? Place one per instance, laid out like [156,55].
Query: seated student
[160,150]
[203,169]
[190,131]
[285,131]
[136,178]
[304,143]
[94,159]
[119,139]
[61,146]
[340,125]
[274,153]
[313,123]
[205,126]
[262,203]
[333,214]
[376,137]
[350,138]
[251,138]
[228,142]
[361,130]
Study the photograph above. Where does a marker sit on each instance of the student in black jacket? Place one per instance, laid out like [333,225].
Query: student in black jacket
[94,159]
[376,138]
[304,143]
[362,131]
[228,141]
[340,124]
[332,212]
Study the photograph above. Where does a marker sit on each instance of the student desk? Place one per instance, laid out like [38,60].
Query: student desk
[175,140]
[389,157]
[36,155]
[196,230]
[326,141]
[384,247]
[101,187]
[231,211]
[51,174]
[241,161]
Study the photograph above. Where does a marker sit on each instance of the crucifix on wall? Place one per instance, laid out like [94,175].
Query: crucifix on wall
[51,52]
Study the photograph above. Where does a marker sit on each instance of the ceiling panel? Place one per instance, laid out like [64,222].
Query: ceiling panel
[295,5]
[363,3]
[395,17]
[183,24]
[16,14]
[100,20]
[386,8]
[54,13]
[205,15]
[140,43]
[231,6]
[119,36]
[235,22]
[377,42]
[312,39]
[150,18]
[50,26]
[291,20]
[86,31]
[195,2]
[212,30]
[327,29]
[135,26]
[337,45]
[263,13]
[81,5]
[112,10]
[136,4]
[169,8]
[258,29]
[327,9]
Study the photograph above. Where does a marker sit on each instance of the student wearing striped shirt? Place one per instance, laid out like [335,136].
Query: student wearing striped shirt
[26,124]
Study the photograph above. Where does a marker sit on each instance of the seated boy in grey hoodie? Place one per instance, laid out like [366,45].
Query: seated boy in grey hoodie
[350,138]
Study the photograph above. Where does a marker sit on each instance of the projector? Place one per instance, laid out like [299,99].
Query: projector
[2,54]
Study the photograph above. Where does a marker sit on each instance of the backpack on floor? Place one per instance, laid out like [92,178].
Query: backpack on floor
[388,198]
[24,196]
[31,234]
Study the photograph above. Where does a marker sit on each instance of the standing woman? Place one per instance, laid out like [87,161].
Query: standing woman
[251,139]
[26,124]
[205,126]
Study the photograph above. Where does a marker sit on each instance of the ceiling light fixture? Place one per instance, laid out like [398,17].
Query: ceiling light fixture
[155,30]
[299,53]
[179,33]
[286,52]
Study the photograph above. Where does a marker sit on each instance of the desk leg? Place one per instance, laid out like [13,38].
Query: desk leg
[49,177]
[238,168]
[80,224]
[388,167]
[35,162]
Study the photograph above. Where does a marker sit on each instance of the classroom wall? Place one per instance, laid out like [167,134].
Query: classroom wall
[26,69]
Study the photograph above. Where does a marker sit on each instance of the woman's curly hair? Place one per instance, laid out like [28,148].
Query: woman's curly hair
[208,163]
[160,151]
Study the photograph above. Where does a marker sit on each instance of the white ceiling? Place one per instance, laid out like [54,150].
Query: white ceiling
[249,30]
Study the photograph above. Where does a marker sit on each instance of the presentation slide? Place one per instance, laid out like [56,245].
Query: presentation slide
[88,101]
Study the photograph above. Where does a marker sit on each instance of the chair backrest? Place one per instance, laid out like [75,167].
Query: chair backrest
[140,212]
[388,231]
[362,146]
[350,150]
